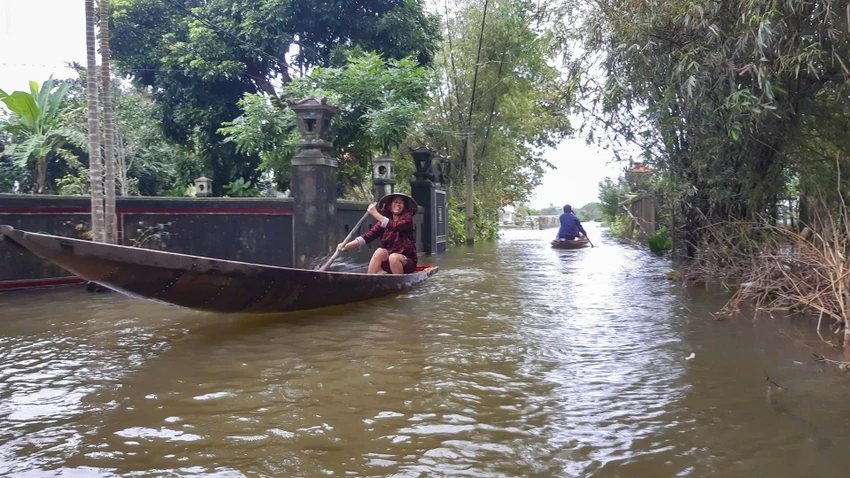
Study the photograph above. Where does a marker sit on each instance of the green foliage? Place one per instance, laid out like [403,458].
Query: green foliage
[145,156]
[719,96]
[620,226]
[660,242]
[9,173]
[457,223]
[590,212]
[152,237]
[380,101]
[74,184]
[178,192]
[521,101]
[36,130]
[266,130]
[200,57]
[610,194]
[523,212]
[147,162]
[486,229]
[241,189]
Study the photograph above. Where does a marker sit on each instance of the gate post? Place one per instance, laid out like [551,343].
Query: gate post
[313,184]
[424,189]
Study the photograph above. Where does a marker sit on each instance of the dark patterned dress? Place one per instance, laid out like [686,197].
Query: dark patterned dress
[398,237]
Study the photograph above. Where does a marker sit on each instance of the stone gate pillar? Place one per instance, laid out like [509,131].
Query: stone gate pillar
[425,189]
[313,184]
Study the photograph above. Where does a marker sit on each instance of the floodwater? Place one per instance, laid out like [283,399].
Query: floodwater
[514,360]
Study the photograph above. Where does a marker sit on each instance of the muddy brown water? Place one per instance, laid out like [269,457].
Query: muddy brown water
[514,360]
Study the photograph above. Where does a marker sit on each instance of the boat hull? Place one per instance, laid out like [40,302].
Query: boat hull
[204,283]
[577,244]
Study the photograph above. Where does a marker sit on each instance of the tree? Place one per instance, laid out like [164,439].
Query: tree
[590,212]
[521,104]
[610,195]
[147,163]
[95,161]
[35,128]
[713,93]
[380,102]
[202,57]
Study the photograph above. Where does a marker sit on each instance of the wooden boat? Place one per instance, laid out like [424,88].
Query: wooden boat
[576,244]
[209,284]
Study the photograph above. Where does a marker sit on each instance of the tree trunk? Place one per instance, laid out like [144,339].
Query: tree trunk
[95,162]
[41,174]
[108,126]
[121,162]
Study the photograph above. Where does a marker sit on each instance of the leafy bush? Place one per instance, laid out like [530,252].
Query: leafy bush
[609,197]
[620,226]
[457,223]
[660,242]
[486,230]
[242,189]
[9,173]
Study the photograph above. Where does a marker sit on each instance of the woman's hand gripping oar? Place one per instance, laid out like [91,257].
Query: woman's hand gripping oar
[347,238]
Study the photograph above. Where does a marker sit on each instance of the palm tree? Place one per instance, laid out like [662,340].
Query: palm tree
[95,162]
[108,125]
[36,129]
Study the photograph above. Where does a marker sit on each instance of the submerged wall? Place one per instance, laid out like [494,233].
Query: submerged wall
[247,230]
[241,229]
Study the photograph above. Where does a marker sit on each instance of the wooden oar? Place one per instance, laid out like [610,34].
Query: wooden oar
[588,240]
[345,241]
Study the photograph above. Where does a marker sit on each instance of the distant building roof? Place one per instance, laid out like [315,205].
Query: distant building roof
[640,168]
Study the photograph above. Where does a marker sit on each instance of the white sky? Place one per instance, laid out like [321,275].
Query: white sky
[37,37]
[580,168]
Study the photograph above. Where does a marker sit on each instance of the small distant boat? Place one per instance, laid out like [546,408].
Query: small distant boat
[204,283]
[576,244]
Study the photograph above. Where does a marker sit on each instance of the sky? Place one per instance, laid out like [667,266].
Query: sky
[575,181]
[37,37]
[28,55]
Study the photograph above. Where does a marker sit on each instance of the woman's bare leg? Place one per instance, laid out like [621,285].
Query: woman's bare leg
[378,258]
[397,263]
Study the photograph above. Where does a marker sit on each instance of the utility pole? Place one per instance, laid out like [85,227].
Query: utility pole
[470,204]
[470,133]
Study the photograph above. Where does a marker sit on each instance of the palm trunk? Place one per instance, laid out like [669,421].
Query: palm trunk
[108,126]
[121,162]
[95,162]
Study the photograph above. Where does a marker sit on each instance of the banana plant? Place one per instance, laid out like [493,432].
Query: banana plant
[35,127]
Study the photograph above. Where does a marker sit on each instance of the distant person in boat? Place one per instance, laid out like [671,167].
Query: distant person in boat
[570,226]
[394,214]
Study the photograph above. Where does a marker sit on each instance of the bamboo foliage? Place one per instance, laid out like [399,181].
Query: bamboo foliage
[713,93]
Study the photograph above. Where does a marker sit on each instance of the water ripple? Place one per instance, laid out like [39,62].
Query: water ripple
[514,360]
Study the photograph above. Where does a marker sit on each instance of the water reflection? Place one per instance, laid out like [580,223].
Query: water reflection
[514,360]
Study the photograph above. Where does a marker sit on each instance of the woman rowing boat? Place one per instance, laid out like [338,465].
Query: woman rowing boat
[394,214]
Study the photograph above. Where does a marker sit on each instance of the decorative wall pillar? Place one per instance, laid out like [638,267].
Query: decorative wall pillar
[313,184]
[203,187]
[383,177]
